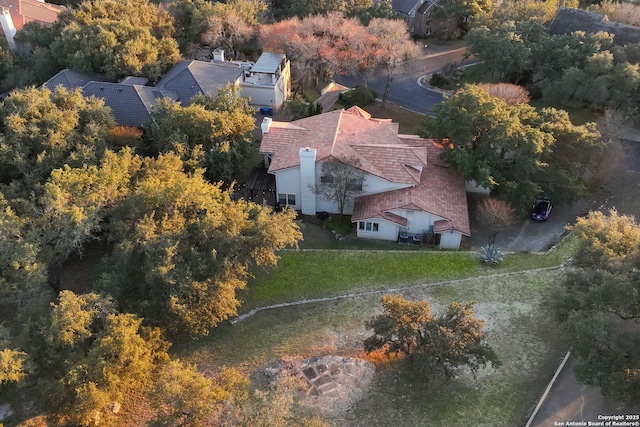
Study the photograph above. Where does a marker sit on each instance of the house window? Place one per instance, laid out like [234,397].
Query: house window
[368,226]
[286,199]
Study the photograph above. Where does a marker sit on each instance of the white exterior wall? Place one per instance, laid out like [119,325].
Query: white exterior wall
[371,184]
[417,221]
[307,181]
[387,230]
[288,182]
[264,96]
[450,240]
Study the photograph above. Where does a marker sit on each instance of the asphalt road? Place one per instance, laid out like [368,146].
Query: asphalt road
[405,90]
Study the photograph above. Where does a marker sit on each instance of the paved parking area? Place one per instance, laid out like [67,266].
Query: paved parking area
[527,235]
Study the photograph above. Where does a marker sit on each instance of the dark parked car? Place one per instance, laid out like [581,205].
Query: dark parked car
[541,209]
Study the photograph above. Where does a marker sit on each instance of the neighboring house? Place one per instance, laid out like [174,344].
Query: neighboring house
[407,189]
[15,13]
[417,13]
[71,79]
[569,20]
[189,78]
[131,101]
[267,82]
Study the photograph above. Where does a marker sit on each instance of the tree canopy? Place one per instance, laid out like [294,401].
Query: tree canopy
[582,68]
[599,306]
[214,133]
[321,45]
[115,37]
[41,131]
[436,346]
[509,149]
[183,247]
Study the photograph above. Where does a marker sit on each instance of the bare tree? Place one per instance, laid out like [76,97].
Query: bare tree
[509,93]
[394,48]
[341,180]
[611,126]
[498,215]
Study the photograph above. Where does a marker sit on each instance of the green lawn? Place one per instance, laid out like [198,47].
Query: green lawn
[314,274]
[579,116]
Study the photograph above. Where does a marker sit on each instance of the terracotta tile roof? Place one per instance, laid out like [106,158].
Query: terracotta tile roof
[341,134]
[23,11]
[441,192]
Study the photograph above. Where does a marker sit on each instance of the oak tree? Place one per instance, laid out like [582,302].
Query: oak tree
[182,247]
[436,346]
[117,38]
[599,307]
[212,132]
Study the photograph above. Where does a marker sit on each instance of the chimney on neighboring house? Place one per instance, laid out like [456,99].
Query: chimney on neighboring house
[218,55]
[7,27]
[308,180]
[265,126]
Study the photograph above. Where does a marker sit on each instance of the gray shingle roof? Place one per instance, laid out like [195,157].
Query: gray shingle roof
[267,63]
[130,80]
[404,6]
[70,79]
[569,20]
[192,77]
[130,104]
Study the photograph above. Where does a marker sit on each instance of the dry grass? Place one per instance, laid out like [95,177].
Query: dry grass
[518,324]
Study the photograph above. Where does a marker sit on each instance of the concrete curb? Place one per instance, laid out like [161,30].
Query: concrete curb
[548,389]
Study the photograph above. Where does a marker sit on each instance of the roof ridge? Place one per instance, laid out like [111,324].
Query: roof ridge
[336,132]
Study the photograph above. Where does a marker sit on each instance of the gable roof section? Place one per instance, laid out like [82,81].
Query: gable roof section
[70,79]
[441,192]
[569,20]
[130,104]
[189,78]
[342,134]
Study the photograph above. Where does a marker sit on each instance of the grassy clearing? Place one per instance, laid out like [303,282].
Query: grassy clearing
[314,274]
[579,116]
[518,324]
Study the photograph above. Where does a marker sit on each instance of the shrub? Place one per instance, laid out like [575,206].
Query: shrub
[360,96]
[438,80]
[490,254]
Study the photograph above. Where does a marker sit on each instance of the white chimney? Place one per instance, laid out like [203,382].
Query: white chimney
[308,180]
[266,125]
[218,55]
[7,27]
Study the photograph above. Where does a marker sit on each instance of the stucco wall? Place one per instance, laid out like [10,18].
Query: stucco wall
[450,240]
[386,230]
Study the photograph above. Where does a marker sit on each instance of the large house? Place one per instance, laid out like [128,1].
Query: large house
[407,190]
[417,14]
[568,20]
[267,83]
